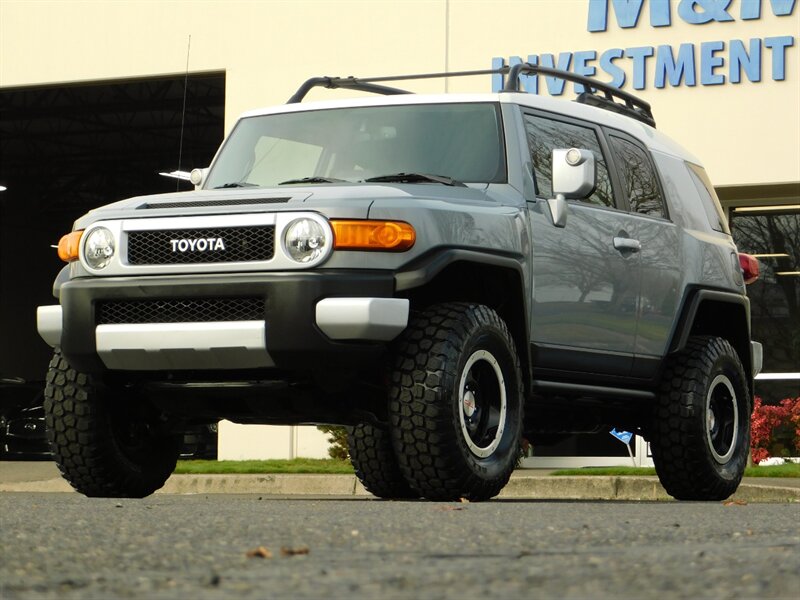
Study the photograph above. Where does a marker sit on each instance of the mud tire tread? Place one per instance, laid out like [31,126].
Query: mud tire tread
[82,441]
[425,433]
[375,463]
[680,450]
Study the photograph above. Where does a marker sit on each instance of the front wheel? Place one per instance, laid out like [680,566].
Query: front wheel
[105,445]
[455,402]
[701,423]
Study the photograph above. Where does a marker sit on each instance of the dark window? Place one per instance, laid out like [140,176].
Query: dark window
[774,239]
[638,176]
[545,135]
[711,204]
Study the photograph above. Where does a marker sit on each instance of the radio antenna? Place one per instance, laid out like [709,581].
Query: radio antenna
[183,112]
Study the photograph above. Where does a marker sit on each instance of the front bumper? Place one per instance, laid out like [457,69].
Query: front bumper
[319,320]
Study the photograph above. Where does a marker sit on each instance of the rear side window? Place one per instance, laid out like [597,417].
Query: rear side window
[708,196]
[544,135]
[639,177]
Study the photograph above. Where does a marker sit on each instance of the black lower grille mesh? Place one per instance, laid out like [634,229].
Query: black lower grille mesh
[208,245]
[114,312]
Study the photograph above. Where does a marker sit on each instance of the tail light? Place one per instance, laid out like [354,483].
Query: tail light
[749,265]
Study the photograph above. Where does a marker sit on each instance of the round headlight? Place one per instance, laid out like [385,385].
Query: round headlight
[305,240]
[98,248]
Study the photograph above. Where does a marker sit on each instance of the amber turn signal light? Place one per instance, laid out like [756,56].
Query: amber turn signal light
[391,236]
[69,245]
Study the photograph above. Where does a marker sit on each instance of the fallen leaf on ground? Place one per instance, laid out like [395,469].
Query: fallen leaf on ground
[299,550]
[735,503]
[260,552]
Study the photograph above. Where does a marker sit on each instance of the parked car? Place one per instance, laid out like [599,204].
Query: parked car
[443,274]
[22,422]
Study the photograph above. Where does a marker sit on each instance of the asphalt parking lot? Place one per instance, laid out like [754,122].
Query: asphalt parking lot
[60,545]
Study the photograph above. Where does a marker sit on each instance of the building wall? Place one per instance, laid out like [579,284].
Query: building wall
[259,442]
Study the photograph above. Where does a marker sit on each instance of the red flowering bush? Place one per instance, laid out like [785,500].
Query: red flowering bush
[775,429]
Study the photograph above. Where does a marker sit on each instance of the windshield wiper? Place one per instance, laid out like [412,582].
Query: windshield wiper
[236,184]
[314,180]
[414,178]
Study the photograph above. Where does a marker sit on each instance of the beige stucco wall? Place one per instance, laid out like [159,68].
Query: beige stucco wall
[746,134]
[260,442]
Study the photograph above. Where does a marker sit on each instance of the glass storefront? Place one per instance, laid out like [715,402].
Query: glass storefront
[772,235]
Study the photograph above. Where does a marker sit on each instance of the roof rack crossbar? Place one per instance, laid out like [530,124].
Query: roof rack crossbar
[367,84]
[631,105]
[596,93]
[350,83]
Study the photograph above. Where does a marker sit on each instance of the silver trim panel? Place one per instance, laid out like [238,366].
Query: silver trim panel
[50,323]
[280,261]
[379,319]
[757,353]
[166,346]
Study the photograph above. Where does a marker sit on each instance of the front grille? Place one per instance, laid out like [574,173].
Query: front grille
[207,203]
[115,312]
[193,246]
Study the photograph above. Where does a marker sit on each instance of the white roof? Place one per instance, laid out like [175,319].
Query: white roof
[649,136]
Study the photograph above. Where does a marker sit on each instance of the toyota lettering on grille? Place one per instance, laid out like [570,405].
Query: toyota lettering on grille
[211,244]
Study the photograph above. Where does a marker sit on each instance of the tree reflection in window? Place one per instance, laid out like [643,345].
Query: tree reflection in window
[775,297]
[641,185]
[545,135]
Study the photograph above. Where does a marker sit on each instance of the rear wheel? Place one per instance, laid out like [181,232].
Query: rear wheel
[105,444]
[375,464]
[455,403]
[701,426]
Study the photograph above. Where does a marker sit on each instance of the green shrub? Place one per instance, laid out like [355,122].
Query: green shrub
[338,441]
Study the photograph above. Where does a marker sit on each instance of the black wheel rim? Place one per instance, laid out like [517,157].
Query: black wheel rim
[722,419]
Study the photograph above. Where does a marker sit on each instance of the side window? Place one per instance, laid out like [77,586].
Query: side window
[544,135]
[710,200]
[641,183]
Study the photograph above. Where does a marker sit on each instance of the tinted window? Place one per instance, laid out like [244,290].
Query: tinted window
[774,239]
[545,135]
[638,176]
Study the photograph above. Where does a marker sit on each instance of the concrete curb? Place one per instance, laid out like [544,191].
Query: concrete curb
[521,487]
[270,485]
[625,488]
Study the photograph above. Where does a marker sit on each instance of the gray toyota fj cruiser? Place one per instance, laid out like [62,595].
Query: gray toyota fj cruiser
[442,274]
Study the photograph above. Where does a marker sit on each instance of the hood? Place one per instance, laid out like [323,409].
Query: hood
[344,200]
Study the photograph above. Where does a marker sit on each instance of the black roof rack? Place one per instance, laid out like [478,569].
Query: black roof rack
[350,83]
[630,106]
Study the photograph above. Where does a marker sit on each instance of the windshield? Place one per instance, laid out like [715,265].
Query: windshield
[459,141]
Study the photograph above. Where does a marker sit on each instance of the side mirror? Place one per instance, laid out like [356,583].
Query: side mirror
[573,178]
[198,177]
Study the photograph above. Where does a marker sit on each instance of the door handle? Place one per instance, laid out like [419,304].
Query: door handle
[627,244]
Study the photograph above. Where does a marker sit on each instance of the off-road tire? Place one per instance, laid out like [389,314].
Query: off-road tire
[434,447]
[375,463]
[84,429]
[699,454]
